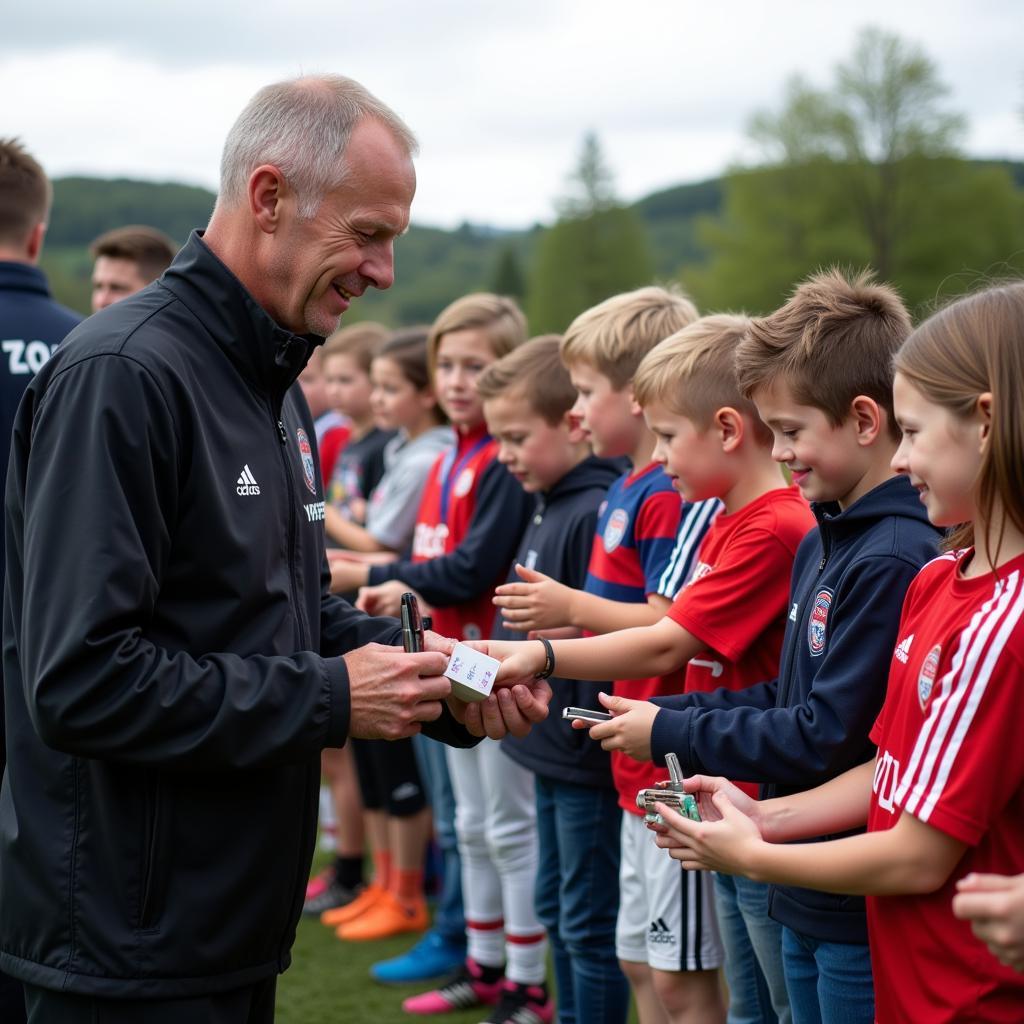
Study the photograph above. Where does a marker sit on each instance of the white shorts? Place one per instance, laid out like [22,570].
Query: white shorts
[666,915]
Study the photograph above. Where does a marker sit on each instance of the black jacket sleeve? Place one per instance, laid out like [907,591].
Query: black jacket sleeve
[815,735]
[99,518]
[484,554]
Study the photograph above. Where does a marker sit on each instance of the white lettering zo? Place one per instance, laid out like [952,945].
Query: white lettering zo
[25,357]
[314,511]
[887,778]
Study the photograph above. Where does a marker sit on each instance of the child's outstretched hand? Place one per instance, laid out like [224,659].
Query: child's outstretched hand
[994,904]
[539,602]
[520,659]
[704,788]
[724,844]
[630,728]
[347,574]
[384,598]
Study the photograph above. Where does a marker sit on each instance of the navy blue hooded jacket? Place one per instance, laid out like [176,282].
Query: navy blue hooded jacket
[32,325]
[557,542]
[812,722]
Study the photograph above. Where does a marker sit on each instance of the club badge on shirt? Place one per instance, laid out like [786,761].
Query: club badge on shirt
[616,529]
[306,455]
[817,624]
[926,677]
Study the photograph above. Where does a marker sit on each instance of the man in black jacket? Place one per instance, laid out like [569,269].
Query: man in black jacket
[173,659]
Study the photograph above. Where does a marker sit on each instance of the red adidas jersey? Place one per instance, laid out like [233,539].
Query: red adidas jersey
[453,481]
[950,753]
[738,595]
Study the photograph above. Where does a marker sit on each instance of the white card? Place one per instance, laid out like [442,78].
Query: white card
[471,673]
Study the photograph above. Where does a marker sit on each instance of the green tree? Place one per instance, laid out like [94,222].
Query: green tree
[508,275]
[864,174]
[596,248]
[592,185]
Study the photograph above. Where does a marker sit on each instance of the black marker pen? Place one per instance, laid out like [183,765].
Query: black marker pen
[412,623]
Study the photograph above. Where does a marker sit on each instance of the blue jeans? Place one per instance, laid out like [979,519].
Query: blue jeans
[753,952]
[449,921]
[577,899]
[828,982]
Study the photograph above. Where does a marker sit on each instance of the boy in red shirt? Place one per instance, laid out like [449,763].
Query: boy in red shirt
[662,931]
[726,625]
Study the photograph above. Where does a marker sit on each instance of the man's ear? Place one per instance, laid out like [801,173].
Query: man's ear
[268,193]
[729,425]
[34,245]
[868,419]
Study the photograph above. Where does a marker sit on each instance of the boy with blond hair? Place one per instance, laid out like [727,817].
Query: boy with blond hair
[666,937]
[820,372]
[726,625]
[471,515]
[528,399]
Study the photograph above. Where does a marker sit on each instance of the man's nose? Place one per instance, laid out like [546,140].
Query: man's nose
[380,268]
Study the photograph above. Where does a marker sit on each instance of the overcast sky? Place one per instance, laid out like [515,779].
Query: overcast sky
[500,95]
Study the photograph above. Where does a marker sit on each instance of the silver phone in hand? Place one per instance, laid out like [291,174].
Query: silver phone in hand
[586,715]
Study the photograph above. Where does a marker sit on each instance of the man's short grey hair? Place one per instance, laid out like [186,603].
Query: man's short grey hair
[302,127]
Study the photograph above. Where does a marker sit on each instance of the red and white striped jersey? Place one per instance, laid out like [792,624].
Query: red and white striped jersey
[950,753]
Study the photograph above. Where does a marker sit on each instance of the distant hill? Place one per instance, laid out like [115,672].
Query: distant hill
[86,207]
[434,266]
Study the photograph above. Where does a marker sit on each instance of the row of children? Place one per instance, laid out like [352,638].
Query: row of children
[769,666]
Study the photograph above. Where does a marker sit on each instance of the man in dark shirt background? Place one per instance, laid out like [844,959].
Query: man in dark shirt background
[31,326]
[126,260]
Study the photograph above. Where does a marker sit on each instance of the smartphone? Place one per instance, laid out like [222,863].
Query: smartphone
[412,623]
[586,715]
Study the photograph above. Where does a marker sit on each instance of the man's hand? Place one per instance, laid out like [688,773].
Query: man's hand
[392,692]
[630,728]
[509,711]
[994,904]
[539,602]
[435,642]
[518,699]
[384,599]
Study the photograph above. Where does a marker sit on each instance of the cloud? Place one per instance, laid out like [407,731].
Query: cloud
[500,95]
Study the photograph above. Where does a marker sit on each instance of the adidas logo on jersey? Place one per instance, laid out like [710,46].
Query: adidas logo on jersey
[660,933]
[902,652]
[247,482]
